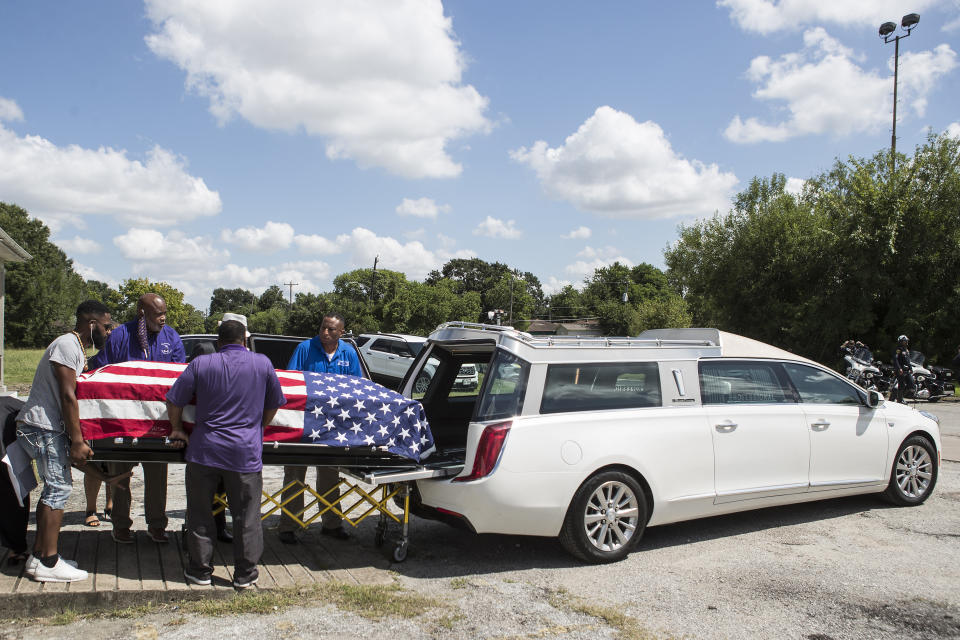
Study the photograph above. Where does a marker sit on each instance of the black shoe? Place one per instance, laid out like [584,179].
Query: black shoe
[287,537]
[339,533]
[224,535]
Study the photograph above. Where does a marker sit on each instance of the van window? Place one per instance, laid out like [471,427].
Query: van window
[591,387]
[504,386]
[732,382]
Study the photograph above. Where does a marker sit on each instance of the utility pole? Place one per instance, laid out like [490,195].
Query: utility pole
[373,279]
[291,285]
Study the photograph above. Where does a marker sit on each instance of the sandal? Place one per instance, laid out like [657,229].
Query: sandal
[92,520]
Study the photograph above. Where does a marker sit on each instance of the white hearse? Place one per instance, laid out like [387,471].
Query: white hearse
[593,439]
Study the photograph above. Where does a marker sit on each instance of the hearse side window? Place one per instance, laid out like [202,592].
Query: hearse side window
[503,387]
[819,387]
[732,382]
[591,387]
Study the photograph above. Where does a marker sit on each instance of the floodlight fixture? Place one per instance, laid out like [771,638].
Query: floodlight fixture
[887,28]
[909,21]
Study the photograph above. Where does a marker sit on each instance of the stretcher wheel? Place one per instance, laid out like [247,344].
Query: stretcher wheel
[400,551]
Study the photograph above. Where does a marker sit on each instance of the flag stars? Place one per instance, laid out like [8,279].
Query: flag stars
[358,405]
[316,411]
[344,414]
[356,428]
[332,402]
[341,438]
[385,408]
[368,440]
[404,433]
[329,425]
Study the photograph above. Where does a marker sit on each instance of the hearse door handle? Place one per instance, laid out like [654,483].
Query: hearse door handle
[820,425]
[726,426]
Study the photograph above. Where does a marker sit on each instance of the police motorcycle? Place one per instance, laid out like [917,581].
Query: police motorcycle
[861,367]
[926,386]
[944,376]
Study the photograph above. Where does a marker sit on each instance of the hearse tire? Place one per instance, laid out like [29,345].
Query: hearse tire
[606,518]
[914,473]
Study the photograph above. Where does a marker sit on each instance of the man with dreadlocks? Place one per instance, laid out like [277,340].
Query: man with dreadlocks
[147,337]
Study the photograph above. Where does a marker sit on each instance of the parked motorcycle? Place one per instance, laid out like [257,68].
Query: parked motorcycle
[861,368]
[944,376]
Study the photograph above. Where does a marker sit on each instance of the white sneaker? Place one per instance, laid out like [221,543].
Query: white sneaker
[32,562]
[60,572]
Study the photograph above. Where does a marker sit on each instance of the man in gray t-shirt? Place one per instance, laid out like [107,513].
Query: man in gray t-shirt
[48,429]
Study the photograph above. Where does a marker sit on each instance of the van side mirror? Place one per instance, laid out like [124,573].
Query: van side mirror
[874,399]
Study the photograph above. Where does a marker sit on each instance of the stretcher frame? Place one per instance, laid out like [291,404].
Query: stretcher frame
[391,477]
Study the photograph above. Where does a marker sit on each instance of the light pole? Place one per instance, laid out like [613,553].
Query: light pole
[907,23]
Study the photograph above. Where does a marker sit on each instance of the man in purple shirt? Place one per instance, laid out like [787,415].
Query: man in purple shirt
[146,337]
[237,393]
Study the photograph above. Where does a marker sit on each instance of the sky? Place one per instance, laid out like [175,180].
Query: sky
[242,143]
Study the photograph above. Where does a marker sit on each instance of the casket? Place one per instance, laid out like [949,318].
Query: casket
[125,403]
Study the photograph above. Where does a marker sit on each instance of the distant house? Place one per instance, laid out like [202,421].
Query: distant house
[581,328]
[542,328]
[10,251]
[586,328]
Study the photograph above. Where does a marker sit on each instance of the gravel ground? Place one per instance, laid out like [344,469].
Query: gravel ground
[843,568]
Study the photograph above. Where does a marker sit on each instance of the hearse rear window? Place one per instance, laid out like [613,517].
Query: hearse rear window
[591,387]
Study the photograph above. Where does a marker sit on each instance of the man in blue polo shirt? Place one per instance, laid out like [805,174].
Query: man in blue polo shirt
[325,353]
[146,337]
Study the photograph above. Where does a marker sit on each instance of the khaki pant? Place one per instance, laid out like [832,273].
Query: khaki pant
[154,495]
[326,478]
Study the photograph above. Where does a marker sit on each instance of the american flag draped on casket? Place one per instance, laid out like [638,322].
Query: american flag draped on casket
[128,399]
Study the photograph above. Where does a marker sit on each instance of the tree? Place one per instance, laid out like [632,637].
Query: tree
[42,293]
[306,314]
[860,254]
[488,280]
[180,315]
[269,321]
[420,307]
[272,297]
[233,301]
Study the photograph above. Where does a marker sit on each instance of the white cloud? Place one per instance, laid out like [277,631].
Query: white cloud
[594,258]
[411,258]
[581,233]
[615,166]
[767,16]
[381,80]
[421,208]
[496,228]
[553,285]
[61,183]
[953,130]
[175,249]
[89,273]
[77,245]
[272,237]
[826,91]
[794,186]
[415,234]
[315,244]
[9,110]
[920,71]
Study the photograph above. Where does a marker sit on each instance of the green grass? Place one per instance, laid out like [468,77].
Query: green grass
[374,602]
[20,364]
[627,627]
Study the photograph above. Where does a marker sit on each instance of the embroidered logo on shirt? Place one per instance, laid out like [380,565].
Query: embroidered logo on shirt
[165,348]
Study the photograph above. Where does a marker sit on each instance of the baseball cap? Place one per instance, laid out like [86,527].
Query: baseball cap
[236,317]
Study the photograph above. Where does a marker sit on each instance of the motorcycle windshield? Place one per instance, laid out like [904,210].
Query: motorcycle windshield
[917,358]
[864,355]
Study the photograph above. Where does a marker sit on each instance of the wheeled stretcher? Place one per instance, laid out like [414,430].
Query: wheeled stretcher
[372,482]
[380,440]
